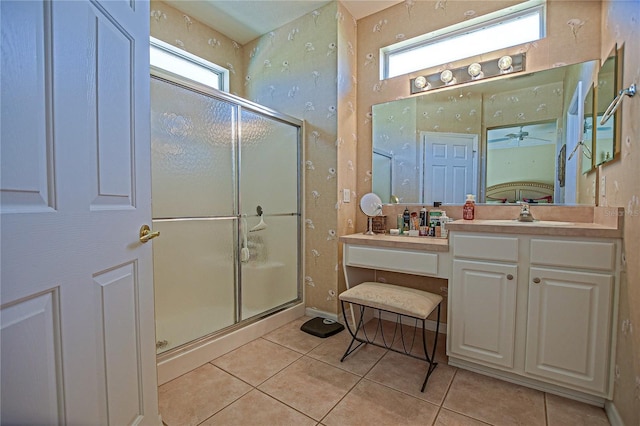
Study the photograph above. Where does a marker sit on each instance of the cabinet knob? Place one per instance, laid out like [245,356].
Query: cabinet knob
[509,277]
[536,280]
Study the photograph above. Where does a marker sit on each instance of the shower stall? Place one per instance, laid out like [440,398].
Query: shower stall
[226,196]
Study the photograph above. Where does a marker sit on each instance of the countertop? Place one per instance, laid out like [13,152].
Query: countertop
[573,229]
[398,241]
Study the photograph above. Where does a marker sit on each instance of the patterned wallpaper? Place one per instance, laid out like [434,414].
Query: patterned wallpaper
[306,69]
[621,25]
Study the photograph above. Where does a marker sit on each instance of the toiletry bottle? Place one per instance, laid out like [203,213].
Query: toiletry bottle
[400,224]
[406,216]
[415,222]
[424,222]
[434,222]
[469,208]
[443,225]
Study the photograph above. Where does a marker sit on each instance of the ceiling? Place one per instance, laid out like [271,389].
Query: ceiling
[245,20]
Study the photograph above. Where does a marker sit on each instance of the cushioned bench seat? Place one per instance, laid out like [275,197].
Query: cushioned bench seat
[393,298]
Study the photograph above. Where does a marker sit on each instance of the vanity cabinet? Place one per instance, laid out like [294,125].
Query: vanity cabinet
[535,307]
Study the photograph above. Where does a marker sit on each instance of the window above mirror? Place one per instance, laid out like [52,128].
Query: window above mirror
[508,27]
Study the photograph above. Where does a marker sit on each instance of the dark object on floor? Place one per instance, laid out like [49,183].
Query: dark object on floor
[322,327]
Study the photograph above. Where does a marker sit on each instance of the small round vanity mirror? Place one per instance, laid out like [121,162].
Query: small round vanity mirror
[371,205]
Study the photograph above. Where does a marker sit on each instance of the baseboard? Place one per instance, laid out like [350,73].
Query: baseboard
[612,414]
[527,382]
[170,367]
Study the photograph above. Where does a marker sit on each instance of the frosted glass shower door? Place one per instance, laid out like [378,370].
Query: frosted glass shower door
[269,162]
[194,208]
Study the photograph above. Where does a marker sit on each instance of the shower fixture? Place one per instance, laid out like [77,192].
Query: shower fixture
[261,225]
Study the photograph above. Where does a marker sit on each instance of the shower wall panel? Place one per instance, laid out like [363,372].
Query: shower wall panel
[194,272]
[192,148]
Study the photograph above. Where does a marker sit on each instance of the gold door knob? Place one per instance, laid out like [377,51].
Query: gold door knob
[146,234]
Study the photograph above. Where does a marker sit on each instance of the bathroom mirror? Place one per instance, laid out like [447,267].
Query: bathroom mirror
[606,91]
[444,135]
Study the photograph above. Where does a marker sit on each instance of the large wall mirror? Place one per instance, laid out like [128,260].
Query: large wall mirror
[504,140]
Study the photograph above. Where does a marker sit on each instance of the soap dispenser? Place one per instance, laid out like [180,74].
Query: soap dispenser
[469,208]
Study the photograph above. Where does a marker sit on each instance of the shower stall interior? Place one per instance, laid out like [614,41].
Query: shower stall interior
[226,189]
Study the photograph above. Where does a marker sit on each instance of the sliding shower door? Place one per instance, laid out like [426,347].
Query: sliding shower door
[269,181]
[213,266]
[194,204]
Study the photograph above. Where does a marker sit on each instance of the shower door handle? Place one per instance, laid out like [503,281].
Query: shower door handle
[146,234]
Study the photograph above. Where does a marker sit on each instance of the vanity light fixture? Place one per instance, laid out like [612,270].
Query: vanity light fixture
[473,72]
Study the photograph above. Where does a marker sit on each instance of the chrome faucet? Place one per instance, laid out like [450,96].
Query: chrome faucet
[525,214]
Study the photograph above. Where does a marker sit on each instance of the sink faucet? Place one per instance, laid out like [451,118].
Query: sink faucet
[525,214]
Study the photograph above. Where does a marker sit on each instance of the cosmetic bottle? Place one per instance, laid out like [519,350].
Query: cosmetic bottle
[424,222]
[469,208]
[406,216]
[444,233]
[400,224]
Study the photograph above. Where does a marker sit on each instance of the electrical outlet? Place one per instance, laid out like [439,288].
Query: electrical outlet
[603,186]
[346,195]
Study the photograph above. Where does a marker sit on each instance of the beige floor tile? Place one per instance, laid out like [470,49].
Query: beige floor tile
[195,396]
[310,386]
[372,404]
[256,361]
[406,374]
[449,418]
[256,408]
[290,336]
[359,362]
[494,401]
[567,412]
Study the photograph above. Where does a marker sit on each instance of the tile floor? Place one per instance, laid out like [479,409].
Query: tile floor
[289,377]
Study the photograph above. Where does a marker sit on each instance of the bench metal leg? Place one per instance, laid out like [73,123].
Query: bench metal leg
[430,360]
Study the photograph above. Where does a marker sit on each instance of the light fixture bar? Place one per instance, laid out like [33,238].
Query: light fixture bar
[474,72]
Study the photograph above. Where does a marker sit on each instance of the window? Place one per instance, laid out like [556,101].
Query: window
[177,61]
[505,28]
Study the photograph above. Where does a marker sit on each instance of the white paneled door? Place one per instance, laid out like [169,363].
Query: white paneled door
[450,166]
[77,323]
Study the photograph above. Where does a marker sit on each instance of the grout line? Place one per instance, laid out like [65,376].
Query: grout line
[546,412]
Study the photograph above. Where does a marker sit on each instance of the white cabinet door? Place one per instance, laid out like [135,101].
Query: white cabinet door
[483,322]
[568,327]
[77,322]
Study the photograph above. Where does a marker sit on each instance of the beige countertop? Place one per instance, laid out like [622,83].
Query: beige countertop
[398,241]
[548,228]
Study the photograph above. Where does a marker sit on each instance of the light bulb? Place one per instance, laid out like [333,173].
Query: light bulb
[447,77]
[421,83]
[505,64]
[475,71]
